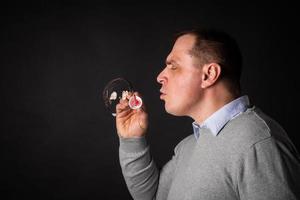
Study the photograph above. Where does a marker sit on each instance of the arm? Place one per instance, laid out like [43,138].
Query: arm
[141,175]
[268,171]
[139,170]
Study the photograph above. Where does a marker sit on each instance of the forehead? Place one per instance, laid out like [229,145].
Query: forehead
[182,46]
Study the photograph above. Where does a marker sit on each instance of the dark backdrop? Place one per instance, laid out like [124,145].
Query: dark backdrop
[57,139]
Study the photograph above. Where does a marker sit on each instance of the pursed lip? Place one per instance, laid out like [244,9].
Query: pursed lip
[162,94]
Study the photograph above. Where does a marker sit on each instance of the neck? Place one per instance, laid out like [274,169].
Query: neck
[213,99]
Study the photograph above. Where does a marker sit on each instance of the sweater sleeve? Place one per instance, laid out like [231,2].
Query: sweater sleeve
[138,168]
[268,171]
[143,179]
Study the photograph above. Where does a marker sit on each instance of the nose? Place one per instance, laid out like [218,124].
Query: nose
[161,78]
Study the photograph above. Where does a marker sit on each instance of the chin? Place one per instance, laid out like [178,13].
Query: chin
[174,111]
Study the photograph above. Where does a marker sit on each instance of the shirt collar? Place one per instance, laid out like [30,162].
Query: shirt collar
[219,118]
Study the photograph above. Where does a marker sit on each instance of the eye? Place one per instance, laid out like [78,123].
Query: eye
[172,67]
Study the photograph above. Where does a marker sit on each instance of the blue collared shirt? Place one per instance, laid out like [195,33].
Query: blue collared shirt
[219,118]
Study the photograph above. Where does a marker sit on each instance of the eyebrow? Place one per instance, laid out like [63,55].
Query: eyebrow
[171,62]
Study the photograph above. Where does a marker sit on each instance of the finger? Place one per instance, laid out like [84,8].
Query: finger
[129,95]
[137,94]
[123,101]
[122,106]
[124,113]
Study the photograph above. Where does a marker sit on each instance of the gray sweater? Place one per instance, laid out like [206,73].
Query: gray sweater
[251,158]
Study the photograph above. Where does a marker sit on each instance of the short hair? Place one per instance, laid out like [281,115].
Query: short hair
[217,46]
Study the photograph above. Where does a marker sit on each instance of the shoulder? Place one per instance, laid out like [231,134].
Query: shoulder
[256,138]
[253,126]
[187,142]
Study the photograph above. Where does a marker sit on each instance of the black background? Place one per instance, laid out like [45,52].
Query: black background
[57,139]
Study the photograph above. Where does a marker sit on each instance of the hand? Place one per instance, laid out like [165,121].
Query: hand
[131,123]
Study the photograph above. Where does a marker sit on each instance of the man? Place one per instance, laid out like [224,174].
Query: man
[236,151]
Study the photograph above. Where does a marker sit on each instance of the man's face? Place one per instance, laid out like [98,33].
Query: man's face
[181,78]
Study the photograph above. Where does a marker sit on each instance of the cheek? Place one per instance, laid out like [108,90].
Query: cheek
[188,91]
[190,86]
[184,84]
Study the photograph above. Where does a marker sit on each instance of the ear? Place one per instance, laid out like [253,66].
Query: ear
[210,74]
